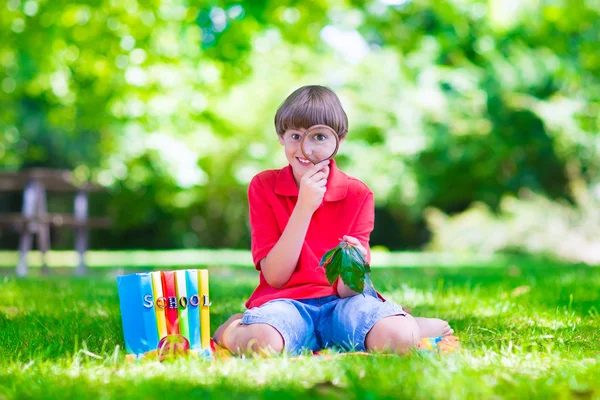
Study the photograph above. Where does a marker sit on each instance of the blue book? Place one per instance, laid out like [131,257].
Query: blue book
[137,313]
[193,297]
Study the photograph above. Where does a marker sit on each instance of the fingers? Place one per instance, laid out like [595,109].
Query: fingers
[322,167]
[318,176]
[352,240]
[319,179]
[355,242]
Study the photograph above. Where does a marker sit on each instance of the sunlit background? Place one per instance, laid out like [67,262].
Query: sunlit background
[474,123]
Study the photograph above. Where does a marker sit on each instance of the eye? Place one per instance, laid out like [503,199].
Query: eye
[320,137]
[295,136]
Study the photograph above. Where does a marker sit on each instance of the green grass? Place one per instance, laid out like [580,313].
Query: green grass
[530,330]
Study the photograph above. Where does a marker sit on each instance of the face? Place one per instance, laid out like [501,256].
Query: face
[291,140]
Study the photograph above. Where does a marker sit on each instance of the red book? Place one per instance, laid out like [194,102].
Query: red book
[170,293]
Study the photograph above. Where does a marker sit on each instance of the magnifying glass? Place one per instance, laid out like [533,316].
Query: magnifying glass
[319,143]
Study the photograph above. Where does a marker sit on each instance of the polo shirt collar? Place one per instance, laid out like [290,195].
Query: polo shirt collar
[337,183]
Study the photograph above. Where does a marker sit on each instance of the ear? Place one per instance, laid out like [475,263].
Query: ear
[280,137]
[342,139]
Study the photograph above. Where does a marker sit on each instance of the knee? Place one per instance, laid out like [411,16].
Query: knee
[218,336]
[268,337]
[399,334]
[259,338]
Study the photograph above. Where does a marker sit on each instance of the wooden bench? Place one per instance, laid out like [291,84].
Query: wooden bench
[35,218]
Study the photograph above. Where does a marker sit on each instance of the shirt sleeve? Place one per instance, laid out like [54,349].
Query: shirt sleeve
[264,229]
[364,223]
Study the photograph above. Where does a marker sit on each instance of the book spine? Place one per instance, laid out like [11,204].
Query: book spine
[204,308]
[193,308]
[182,304]
[137,313]
[160,303]
[170,292]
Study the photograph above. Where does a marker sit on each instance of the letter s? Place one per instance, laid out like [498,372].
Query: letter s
[148,301]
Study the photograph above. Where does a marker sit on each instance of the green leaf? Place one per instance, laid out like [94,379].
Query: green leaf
[355,277]
[327,256]
[353,270]
[357,254]
[365,268]
[346,261]
[333,268]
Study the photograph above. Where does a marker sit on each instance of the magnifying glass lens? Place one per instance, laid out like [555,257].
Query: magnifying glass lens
[319,143]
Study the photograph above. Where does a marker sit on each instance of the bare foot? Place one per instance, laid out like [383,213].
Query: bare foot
[433,327]
[218,337]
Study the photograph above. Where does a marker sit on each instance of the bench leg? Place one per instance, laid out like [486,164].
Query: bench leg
[43,230]
[30,195]
[81,242]
[25,242]
[81,232]
[44,244]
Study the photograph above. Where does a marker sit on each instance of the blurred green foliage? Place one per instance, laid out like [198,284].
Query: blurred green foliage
[170,104]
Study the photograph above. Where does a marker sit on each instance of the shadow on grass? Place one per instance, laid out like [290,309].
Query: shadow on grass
[50,386]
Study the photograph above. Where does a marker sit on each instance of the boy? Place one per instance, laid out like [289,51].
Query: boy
[297,213]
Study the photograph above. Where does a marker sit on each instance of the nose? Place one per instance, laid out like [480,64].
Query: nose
[306,150]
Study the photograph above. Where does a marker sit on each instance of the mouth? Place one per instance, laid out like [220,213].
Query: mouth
[303,161]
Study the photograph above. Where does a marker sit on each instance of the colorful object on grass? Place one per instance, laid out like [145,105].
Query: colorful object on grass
[173,346]
[219,352]
[440,344]
[165,314]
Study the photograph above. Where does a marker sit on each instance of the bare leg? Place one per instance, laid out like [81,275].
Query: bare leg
[433,327]
[254,339]
[218,337]
[399,334]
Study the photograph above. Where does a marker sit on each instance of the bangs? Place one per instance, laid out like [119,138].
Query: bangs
[308,106]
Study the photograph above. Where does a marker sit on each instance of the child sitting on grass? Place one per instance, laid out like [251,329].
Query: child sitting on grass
[297,213]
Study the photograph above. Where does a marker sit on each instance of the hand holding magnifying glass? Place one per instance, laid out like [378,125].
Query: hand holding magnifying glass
[319,144]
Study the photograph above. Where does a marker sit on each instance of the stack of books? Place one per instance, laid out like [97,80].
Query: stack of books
[165,313]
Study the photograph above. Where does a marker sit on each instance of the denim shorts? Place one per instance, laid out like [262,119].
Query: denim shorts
[324,322]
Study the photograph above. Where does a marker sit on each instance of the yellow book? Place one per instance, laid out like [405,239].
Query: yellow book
[204,308]
[157,291]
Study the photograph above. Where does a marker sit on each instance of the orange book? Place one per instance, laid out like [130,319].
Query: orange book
[170,293]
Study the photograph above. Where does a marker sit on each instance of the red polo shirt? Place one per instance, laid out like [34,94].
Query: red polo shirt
[347,209]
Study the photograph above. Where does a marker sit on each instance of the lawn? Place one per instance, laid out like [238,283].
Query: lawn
[528,330]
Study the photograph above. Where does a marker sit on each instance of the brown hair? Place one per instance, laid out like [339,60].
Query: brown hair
[311,105]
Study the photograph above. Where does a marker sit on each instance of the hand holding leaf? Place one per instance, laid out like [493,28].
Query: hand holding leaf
[356,243]
[347,261]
